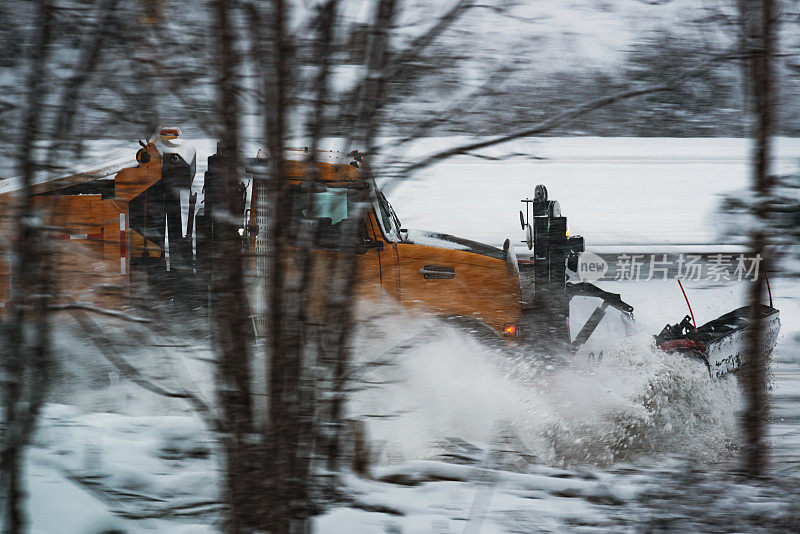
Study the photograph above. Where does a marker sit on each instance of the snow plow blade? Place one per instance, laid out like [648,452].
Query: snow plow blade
[720,343]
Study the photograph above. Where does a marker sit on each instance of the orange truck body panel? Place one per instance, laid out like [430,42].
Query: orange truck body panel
[92,245]
[130,183]
[94,252]
[332,173]
[481,289]
[86,262]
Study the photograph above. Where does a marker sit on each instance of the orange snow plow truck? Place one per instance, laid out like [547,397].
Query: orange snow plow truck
[144,231]
[109,228]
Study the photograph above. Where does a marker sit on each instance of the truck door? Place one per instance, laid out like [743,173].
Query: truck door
[429,278]
[332,207]
[368,265]
[447,276]
[387,258]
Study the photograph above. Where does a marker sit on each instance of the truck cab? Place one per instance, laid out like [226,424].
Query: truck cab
[428,271]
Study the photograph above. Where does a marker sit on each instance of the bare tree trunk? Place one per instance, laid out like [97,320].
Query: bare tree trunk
[283,362]
[309,414]
[271,50]
[26,343]
[758,17]
[144,51]
[340,302]
[229,302]
[92,52]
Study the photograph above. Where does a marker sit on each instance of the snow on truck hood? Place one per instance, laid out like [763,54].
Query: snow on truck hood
[435,239]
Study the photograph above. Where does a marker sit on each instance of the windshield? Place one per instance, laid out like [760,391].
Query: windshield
[330,209]
[330,205]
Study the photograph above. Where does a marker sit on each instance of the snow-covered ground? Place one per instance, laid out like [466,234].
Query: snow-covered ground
[607,446]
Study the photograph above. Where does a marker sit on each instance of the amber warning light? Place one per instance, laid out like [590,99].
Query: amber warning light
[170,133]
[510,329]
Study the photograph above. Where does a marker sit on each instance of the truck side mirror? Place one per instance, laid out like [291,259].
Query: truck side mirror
[369,244]
[529,236]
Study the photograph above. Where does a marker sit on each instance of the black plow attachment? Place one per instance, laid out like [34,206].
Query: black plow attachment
[545,322]
[720,343]
[546,305]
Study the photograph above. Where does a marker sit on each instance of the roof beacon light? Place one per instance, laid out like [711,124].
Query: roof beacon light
[170,133]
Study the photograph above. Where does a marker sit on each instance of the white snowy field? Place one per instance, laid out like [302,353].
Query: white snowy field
[598,441]
[615,191]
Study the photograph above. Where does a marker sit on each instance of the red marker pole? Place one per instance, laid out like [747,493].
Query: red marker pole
[769,291]
[123,249]
[687,303]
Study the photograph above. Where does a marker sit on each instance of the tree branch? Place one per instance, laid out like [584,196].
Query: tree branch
[539,128]
[101,311]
